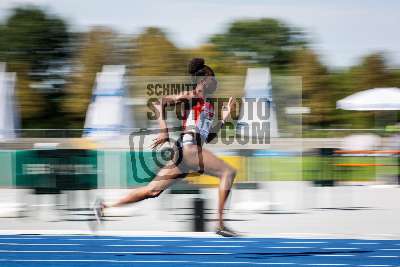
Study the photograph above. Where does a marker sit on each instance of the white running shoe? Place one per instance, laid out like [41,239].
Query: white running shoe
[226,232]
[98,207]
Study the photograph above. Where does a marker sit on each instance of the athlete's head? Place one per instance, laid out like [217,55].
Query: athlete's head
[201,73]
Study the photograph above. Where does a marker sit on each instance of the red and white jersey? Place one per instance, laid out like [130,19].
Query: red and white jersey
[200,119]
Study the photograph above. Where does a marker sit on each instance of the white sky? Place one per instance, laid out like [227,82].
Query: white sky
[341,30]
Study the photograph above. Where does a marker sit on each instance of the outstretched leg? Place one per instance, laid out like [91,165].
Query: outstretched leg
[165,177]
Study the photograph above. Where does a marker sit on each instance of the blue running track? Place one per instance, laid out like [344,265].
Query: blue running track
[85,250]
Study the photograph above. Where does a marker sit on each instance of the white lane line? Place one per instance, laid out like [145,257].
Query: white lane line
[111,261]
[121,252]
[133,245]
[231,241]
[233,246]
[364,243]
[339,248]
[59,235]
[93,239]
[39,244]
[335,255]
[154,252]
[113,252]
[246,262]
[326,264]
[39,251]
[273,263]
[157,240]
[207,253]
[20,238]
[390,249]
[289,247]
[388,256]
[302,242]
[154,261]
[225,262]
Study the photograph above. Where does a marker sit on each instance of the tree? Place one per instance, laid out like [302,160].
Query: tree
[370,73]
[316,88]
[229,70]
[155,55]
[32,36]
[35,46]
[267,42]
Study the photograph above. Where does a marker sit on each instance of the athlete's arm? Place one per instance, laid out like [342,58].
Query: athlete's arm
[163,135]
[160,105]
[173,99]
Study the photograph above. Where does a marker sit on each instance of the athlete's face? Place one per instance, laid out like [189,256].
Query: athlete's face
[206,88]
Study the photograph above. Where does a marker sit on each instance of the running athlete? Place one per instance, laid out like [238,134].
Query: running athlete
[199,126]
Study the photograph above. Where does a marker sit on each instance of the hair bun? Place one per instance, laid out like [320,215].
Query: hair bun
[195,65]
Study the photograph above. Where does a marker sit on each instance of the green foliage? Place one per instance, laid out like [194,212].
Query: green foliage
[38,46]
[156,55]
[266,42]
[35,46]
[372,72]
[34,37]
[316,88]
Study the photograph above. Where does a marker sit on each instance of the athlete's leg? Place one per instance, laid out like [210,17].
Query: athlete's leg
[213,166]
[165,177]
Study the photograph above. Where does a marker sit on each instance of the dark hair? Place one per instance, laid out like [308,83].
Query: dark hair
[197,67]
[199,71]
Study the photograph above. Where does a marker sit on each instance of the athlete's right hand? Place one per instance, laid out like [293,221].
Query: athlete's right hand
[160,140]
[227,110]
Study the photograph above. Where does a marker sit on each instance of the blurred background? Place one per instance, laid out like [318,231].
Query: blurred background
[71,88]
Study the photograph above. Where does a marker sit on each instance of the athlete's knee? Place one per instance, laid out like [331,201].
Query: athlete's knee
[227,178]
[230,173]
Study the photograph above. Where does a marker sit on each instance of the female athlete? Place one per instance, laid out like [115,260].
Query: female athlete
[199,127]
